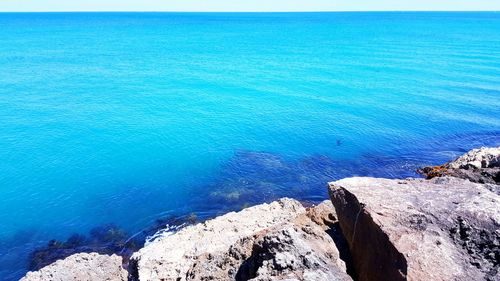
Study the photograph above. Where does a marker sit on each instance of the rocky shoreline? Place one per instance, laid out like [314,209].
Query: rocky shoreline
[478,165]
[446,227]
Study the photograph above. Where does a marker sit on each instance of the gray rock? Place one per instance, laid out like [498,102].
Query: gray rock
[480,165]
[266,242]
[81,267]
[440,229]
[299,250]
[484,157]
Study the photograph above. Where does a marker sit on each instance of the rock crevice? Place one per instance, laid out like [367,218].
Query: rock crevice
[374,255]
[440,229]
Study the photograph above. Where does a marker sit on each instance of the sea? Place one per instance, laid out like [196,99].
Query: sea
[126,122]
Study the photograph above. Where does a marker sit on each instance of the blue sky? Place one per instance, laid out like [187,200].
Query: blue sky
[249,5]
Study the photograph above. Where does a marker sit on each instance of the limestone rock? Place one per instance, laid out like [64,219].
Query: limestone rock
[484,157]
[439,229]
[266,242]
[480,165]
[300,250]
[81,267]
[323,214]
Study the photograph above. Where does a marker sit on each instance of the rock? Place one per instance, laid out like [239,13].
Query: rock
[297,251]
[439,229]
[265,242]
[484,157]
[480,165]
[82,267]
[105,239]
[323,214]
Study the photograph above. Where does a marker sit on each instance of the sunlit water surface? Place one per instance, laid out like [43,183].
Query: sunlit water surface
[128,118]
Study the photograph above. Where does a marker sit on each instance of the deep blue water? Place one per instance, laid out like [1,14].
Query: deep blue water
[126,118]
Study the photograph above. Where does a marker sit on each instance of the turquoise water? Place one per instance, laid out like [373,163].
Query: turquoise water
[127,118]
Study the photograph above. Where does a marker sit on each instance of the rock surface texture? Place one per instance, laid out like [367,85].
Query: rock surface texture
[82,267]
[274,241]
[480,165]
[439,229]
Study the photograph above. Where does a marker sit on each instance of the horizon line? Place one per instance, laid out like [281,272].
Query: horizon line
[258,11]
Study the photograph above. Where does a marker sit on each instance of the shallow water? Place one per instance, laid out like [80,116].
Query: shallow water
[128,118]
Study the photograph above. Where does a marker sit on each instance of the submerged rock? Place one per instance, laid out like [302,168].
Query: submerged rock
[82,267]
[266,242]
[106,239]
[480,165]
[440,229]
